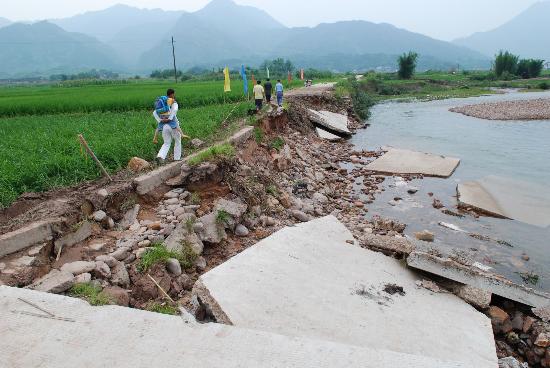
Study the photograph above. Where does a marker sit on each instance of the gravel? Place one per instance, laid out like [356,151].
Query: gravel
[538,109]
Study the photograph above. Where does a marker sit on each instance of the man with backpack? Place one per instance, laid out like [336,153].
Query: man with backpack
[166,110]
[268,89]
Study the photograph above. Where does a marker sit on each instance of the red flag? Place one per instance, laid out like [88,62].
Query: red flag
[302,74]
[289,77]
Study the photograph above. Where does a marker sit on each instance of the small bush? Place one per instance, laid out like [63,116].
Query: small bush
[222,217]
[530,68]
[91,293]
[195,198]
[221,151]
[407,65]
[258,135]
[543,85]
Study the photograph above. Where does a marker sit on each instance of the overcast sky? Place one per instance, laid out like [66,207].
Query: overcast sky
[443,19]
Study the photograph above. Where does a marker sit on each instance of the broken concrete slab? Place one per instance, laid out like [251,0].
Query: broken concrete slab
[477,278]
[323,134]
[83,232]
[508,198]
[213,232]
[336,123]
[36,232]
[389,245]
[307,281]
[54,282]
[154,179]
[402,161]
[132,338]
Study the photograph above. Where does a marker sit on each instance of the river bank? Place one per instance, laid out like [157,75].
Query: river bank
[538,109]
[281,174]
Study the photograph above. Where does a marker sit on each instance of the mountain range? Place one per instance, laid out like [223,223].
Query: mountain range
[526,35]
[4,22]
[132,40]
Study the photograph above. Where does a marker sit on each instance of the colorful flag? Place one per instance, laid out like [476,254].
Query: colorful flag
[227,82]
[289,77]
[302,74]
[267,69]
[253,80]
[245,81]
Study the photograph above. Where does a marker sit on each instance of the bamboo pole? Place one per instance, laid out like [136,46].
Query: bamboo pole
[161,289]
[92,154]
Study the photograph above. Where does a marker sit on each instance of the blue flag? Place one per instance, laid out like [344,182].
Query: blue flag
[245,81]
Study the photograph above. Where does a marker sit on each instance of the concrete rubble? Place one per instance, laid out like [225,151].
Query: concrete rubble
[512,199]
[36,232]
[130,338]
[323,134]
[477,278]
[308,281]
[333,122]
[402,161]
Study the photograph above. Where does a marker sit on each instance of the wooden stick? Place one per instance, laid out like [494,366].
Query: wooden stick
[43,316]
[92,154]
[161,289]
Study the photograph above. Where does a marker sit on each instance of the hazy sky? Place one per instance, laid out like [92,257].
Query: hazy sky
[443,19]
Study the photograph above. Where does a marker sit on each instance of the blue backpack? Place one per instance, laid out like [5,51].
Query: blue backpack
[161,105]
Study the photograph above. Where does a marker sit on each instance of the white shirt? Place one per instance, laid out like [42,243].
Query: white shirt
[173,113]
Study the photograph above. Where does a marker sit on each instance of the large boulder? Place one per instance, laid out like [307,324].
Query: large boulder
[235,210]
[137,164]
[213,231]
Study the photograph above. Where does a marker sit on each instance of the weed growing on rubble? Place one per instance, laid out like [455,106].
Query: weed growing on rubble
[272,189]
[189,223]
[91,293]
[220,151]
[162,308]
[160,254]
[195,198]
[277,143]
[529,277]
[222,217]
[258,135]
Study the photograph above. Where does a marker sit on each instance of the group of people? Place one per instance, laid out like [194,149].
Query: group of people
[265,91]
[168,125]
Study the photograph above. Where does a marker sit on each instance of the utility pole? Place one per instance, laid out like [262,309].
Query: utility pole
[174,57]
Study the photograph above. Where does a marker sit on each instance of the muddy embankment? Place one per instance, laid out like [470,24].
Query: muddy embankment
[282,173]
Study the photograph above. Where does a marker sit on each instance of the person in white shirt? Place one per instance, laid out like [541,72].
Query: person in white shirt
[168,132]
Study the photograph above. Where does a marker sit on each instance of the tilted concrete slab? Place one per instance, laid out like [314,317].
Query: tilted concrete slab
[79,335]
[34,233]
[401,161]
[508,198]
[153,179]
[308,281]
[323,134]
[336,123]
[480,279]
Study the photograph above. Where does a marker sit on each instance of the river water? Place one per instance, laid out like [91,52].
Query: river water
[510,149]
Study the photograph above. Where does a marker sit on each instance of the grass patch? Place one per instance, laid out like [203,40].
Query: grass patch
[160,254]
[222,217]
[195,198]
[189,224]
[258,135]
[217,152]
[272,189]
[278,143]
[163,309]
[91,293]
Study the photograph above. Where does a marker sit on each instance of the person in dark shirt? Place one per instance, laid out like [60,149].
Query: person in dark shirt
[268,88]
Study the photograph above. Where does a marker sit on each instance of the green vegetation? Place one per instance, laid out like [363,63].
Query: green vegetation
[272,189]
[258,135]
[220,151]
[163,308]
[195,198]
[362,101]
[407,65]
[222,217]
[529,277]
[160,254]
[507,65]
[91,293]
[189,223]
[42,152]
[277,143]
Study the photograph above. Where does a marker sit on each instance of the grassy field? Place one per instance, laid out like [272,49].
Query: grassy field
[42,152]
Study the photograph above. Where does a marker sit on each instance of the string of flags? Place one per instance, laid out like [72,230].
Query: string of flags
[242,72]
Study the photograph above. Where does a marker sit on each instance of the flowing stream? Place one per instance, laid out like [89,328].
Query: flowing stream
[510,149]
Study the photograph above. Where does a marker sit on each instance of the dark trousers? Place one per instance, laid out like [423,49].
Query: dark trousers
[268,97]
[259,104]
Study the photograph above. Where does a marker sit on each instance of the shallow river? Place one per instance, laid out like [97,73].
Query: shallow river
[511,149]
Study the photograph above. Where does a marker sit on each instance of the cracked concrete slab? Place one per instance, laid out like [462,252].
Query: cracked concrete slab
[308,281]
[402,161]
[78,335]
[336,123]
[508,198]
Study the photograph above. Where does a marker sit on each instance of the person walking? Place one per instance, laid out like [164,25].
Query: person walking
[279,89]
[259,93]
[169,133]
[268,89]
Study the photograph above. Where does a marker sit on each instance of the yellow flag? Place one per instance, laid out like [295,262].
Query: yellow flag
[227,83]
